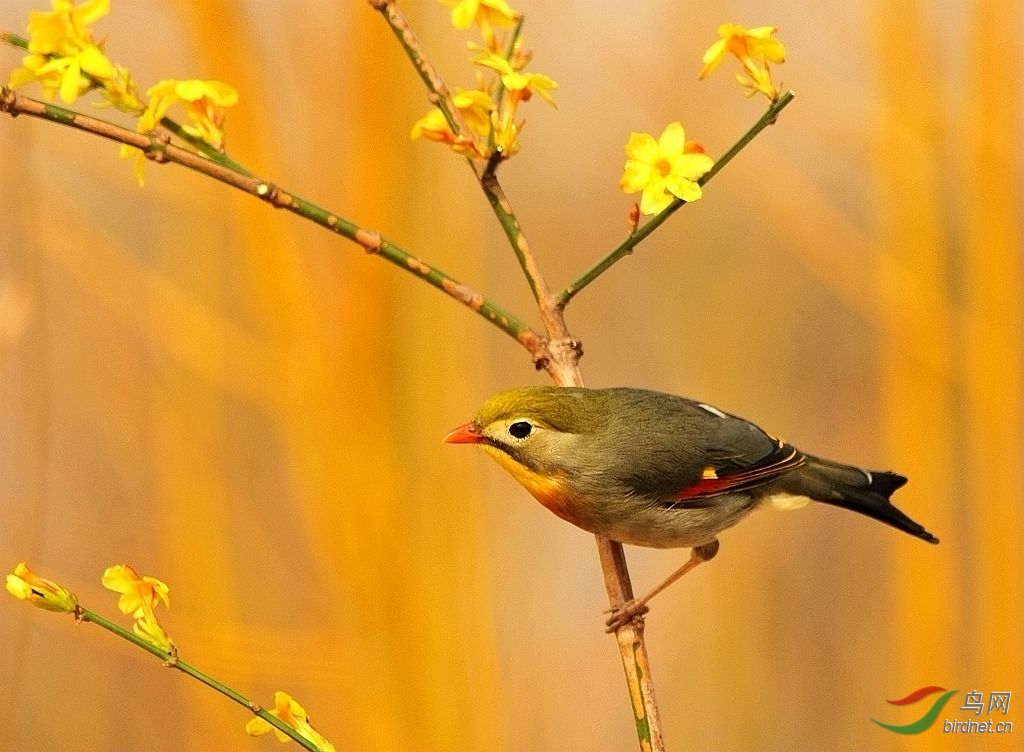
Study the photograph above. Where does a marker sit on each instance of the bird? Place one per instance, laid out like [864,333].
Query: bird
[646,468]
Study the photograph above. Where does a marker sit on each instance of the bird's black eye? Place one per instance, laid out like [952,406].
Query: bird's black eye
[520,429]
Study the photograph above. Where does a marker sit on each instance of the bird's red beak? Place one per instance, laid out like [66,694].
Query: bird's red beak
[466,434]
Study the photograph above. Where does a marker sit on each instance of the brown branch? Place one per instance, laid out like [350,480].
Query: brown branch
[561,361]
[562,364]
[159,149]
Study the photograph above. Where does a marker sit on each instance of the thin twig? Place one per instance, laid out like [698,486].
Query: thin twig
[637,236]
[172,660]
[159,150]
[483,169]
[440,94]
[502,209]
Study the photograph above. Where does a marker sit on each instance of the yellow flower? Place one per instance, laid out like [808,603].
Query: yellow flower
[754,48]
[68,72]
[137,593]
[490,109]
[66,60]
[294,715]
[497,12]
[486,14]
[475,106]
[204,103]
[24,584]
[149,629]
[664,169]
[68,25]
[139,597]
[520,85]
[63,57]
[506,133]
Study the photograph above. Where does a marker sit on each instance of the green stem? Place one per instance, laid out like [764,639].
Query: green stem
[204,148]
[171,660]
[432,275]
[13,39]
[637,236]
[502,209]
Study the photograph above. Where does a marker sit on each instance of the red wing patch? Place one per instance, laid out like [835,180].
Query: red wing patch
[712,484]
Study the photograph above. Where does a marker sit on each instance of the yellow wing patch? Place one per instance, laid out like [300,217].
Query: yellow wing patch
[786,502]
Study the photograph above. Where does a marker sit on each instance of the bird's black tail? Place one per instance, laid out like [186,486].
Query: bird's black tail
[855,489]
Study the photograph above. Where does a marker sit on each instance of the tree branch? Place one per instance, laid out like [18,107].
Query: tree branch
[561,361]
[159,149]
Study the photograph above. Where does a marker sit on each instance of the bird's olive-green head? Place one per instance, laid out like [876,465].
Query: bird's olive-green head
[535,426]
[566,410]
[540,435]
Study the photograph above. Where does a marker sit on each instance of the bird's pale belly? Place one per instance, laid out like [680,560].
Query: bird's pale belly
[656,526]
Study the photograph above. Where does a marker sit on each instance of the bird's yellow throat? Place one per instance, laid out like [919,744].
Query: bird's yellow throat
[548,490]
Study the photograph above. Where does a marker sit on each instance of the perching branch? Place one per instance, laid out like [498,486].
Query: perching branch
[159,149]
[562,363]
[637,236]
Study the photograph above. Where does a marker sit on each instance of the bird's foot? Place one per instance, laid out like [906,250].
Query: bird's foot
[632,610]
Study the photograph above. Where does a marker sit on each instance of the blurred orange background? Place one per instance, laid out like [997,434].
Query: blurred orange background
[249,408]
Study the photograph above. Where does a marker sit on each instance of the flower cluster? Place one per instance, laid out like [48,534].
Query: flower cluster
[65,59]
[139,597]
[291,713]
[754,48]
[485,121]
[204,103]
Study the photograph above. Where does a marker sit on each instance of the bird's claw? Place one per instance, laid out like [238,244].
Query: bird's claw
[629,611]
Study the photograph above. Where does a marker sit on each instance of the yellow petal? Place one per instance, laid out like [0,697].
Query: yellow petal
[635,176]
[91,11]
[642,147]
[71,82]
[257,727]
[673,140]
[654,201]
[687,190]
[712,57]
[95,63]
[463,14]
